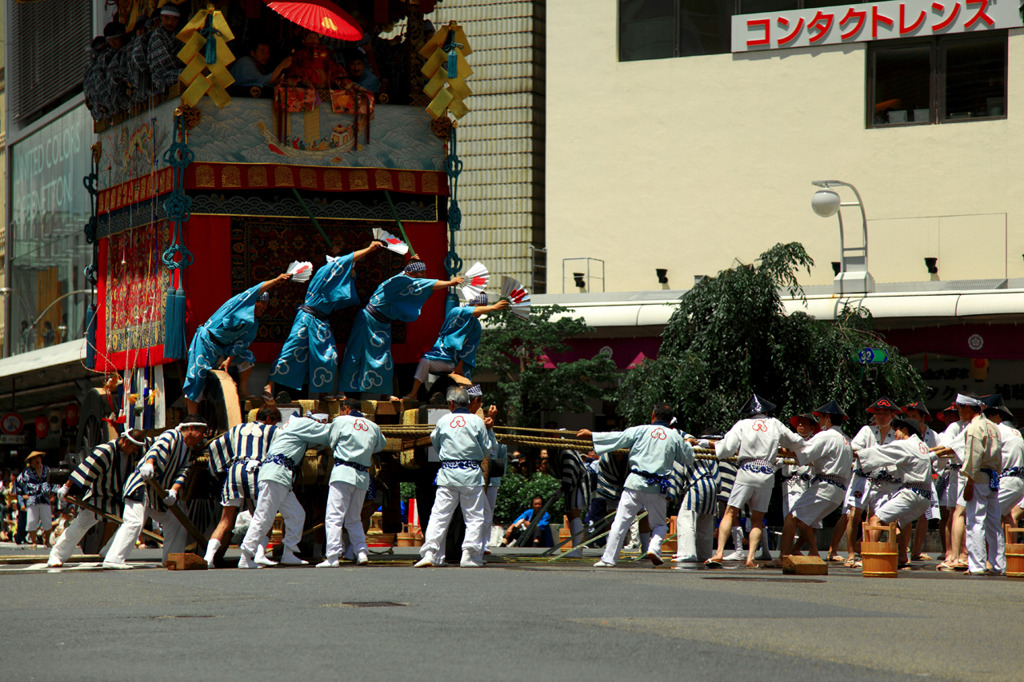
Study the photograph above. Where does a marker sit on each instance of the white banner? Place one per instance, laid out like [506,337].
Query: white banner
[863,22]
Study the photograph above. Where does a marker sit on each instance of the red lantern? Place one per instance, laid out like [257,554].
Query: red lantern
[71,415]
[42,427]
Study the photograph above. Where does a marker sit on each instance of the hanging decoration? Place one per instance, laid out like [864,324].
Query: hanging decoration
[178,207]
[206,36]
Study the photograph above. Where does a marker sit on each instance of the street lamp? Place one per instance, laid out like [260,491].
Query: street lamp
[853,276]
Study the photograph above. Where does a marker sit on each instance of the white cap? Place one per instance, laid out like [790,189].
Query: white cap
[967,401]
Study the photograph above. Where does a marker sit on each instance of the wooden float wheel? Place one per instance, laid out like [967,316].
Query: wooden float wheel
[221,407]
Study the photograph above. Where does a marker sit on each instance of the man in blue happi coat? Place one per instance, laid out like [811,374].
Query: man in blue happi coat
[224,339]
[455,348]
[653,450]
[309,353]
[368,365]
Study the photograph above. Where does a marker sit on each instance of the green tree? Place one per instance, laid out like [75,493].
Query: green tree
[517,492]
[730,336]
[516,350]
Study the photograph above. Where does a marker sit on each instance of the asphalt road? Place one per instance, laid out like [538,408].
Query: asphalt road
[517,619]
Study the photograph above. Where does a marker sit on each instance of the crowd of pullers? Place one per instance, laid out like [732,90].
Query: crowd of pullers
[896,470]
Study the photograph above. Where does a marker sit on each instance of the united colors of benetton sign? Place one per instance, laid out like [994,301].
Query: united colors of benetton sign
[862,22]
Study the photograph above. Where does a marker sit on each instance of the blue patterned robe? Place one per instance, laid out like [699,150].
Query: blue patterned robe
[227,333]
[458,340]
[368,365]
[36,485]
[309,353]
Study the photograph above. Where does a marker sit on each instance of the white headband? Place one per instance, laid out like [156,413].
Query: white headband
[185,425]
[128,435]
[967,401]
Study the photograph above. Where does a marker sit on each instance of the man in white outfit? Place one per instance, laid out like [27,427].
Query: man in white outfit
[911,461]
[829,456]
[166,462]
[1011,479]
[982,462]
[755,442]
[653,451]
[354,440]
[865,492]
[463,447]
[277,474]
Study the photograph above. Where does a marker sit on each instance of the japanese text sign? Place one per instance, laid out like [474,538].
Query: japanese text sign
[862,22]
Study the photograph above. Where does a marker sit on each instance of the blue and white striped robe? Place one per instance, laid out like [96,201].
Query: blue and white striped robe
[230,454]
[702,483]
[172,462]
[102,476]
[612,473]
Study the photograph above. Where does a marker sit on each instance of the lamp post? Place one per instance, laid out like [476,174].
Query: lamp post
[853,276]
[5,291]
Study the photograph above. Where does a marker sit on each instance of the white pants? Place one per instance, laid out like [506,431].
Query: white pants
[695,535]
[473,502]
[344,509]
[1011,491]
[38,517]
[983,530]
[427,367]
[72,535]
[273,498]
[127,535]
[630,504]
[491,498]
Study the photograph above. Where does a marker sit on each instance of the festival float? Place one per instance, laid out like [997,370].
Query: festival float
[209,189]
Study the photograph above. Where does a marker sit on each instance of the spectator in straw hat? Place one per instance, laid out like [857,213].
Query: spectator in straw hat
[36,495]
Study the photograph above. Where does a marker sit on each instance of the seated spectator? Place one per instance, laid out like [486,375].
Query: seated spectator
[138,60]
[360,73]
[110,94]
[542,534]
[543,464]
[162,50]
[92,81]
[253,70]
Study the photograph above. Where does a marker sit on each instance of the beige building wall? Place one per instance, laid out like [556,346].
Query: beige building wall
[691,163]
[500,141]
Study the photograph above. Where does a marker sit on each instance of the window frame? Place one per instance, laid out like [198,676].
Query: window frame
[937,74]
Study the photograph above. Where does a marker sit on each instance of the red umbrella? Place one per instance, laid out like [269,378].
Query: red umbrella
[321,16]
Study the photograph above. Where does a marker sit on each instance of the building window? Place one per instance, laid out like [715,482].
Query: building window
[658,29]
[941,80]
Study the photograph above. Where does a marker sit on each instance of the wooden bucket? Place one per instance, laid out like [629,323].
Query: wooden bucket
[1014,554]
[408,540]
[880,559]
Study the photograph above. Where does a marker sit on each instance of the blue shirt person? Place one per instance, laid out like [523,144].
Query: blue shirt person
[225,338]
[368,365]
[542,534]
[310,354]
[455,348]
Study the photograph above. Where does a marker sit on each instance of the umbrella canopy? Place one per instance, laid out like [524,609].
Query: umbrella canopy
[321,16]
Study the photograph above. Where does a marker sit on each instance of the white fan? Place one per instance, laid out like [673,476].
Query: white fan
[476,281]
[391,242]
[300,271]
[518,297]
